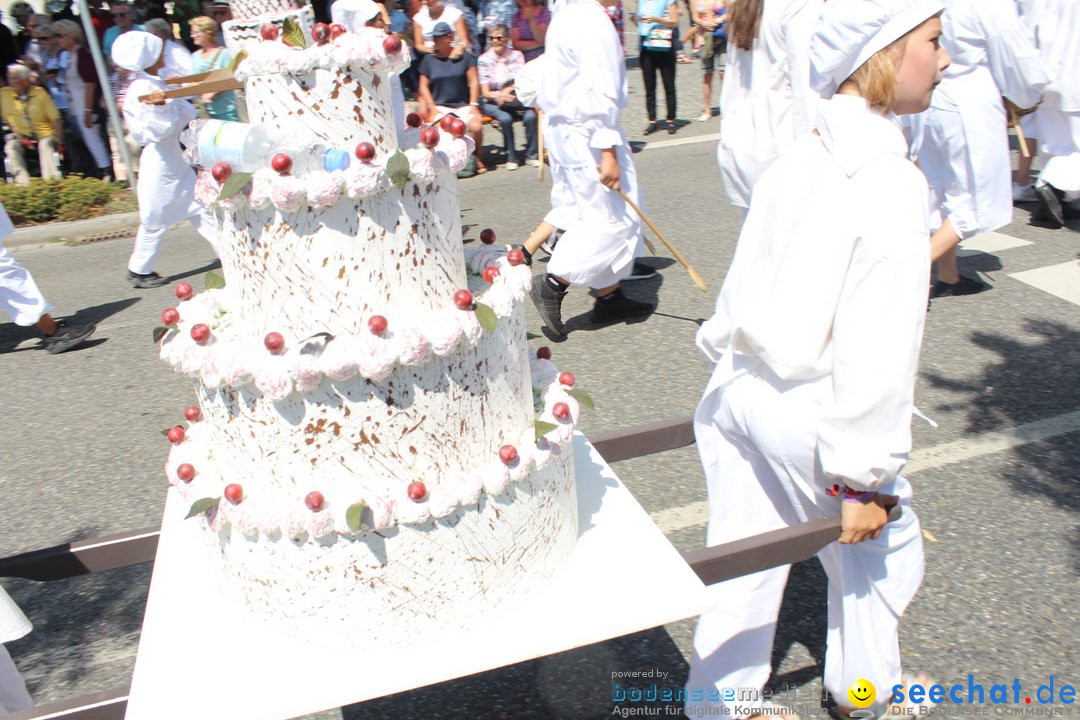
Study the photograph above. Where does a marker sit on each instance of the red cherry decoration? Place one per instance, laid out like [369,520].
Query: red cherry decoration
[567,379]
[200,334]
[337,30]
[175,435]
[487,236]
[365,152]
[413,120]
[186,472]
[515,257]
[508,454]
[544,353]
[391,44]
[457,128]
[463,299]
[320,33]
[170,316]
[192,413]
[377,324]
[490,273]
[281,163]
[269,31]
[417,491]
[184,291]
[561,411]
[429,136]
[314,501]
[221,171]
[234,493]
[447,122]
[274,342]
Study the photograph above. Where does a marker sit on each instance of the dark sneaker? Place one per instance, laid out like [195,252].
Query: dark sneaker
[1050,204]
[67,337]
[616,306]
[965,286]
[641,271]
[548,302]
[147,280]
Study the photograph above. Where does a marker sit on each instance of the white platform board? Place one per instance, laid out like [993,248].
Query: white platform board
[199,653]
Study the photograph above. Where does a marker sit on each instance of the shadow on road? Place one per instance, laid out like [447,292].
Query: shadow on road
[12,335]
[215,265]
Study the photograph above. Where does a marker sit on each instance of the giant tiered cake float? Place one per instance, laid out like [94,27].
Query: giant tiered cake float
[374,444]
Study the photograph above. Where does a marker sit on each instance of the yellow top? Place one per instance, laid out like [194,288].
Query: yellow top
[30,116]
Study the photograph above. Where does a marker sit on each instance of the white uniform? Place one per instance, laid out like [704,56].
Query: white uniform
[816,341]
[1057,30]
[20,298]
[166,188]
[766,100]
[964,149]
[13,625]
[582,91]
[177,60]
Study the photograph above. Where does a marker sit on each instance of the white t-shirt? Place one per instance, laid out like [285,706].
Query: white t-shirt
[450,16]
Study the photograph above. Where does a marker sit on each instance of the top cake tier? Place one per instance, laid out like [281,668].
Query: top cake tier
[244,9]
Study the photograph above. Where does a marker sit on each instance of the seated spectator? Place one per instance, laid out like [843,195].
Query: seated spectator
[530,25]
[449,85]
[124,21]
[32,117]
[498,68]
[210,56]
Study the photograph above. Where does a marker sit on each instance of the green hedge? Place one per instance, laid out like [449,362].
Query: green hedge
[72,198]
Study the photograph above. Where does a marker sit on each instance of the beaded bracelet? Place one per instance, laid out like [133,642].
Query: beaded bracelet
[851,495]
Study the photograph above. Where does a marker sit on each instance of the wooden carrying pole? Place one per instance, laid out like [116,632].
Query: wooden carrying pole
[671,248]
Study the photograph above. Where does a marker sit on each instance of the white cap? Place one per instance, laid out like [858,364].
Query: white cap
[850,32]
[136,50]
[353,13]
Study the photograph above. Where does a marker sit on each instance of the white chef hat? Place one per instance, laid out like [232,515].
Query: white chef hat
[136,50]
[850,32]
[353,13]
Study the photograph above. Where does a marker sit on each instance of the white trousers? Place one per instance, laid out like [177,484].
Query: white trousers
[757,438]
[92,138]
[1059,137]
[20,298]
[13,695]
[16,155]
[148,241]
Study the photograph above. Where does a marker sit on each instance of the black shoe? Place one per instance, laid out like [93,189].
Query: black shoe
[641,271]
[650,128]
[548,302]
[1050,204]
[964,286]
[671,127]
[67,336]
[616,306]
[147,280]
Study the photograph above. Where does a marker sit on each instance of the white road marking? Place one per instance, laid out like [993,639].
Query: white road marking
[990,242]
[710,138]
[694,514]
[1062,280]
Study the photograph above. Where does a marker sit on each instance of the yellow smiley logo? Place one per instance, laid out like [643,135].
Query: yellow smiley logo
[862,693]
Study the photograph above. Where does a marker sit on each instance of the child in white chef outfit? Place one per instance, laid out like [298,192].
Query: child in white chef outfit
[815,342]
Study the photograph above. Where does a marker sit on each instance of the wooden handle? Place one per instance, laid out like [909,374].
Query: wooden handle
[1019,131]
[678,256]
[213,86]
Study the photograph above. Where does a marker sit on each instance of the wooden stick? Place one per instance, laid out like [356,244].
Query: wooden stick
[693,273]
[540,143]
[1019,131]
[213,86]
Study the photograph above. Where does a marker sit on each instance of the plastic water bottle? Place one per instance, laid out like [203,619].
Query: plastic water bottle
[245,147]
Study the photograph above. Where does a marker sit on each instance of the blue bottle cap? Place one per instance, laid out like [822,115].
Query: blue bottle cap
[336,160]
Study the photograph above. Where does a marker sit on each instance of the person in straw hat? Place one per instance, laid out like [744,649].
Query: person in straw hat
[815,342]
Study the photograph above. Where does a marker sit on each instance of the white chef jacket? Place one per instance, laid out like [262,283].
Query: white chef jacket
[166,188]
[829,280]
[1057,35]
[964,149]
[766,100]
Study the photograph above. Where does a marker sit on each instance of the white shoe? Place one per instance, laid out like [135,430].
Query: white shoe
[532,162]
[512,166]
[704,117]
[1024,193]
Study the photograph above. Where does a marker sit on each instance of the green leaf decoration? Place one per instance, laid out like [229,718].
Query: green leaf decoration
[397,167]
[214,280]
[202,505]
[532,336]
[292,33]
[159,332]
[237,59]
[233,184]
[541,428]
[486,317]
[354,516]
[582,397]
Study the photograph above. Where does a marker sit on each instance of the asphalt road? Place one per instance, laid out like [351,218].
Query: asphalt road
[996,484]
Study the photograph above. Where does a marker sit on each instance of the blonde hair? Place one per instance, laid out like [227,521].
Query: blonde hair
[876,78]
[69,29]
[204,24]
